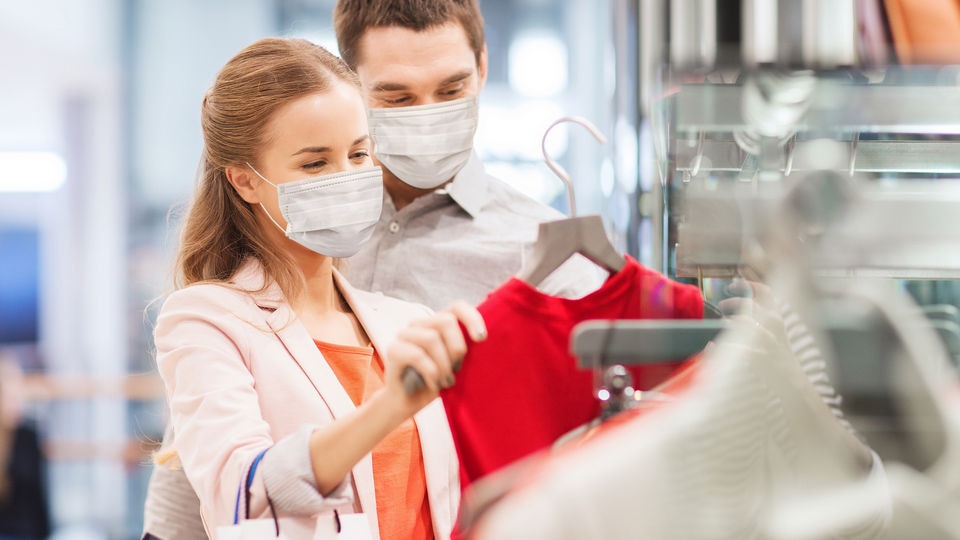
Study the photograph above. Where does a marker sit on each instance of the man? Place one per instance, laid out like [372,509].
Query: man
[448,230]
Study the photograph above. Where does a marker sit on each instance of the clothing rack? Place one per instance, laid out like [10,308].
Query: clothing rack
[905,230]
[833,104]
[632,342]
[723,155]
[869,370]
[861,339]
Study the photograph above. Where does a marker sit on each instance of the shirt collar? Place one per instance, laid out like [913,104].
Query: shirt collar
[469,187]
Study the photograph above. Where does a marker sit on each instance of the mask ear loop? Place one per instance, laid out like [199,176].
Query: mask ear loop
[262,177]
[284,231]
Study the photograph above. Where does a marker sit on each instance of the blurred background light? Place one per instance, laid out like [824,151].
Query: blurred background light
[538,64]
[31,171]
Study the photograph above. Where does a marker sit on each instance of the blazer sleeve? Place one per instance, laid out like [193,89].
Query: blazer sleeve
[202,341]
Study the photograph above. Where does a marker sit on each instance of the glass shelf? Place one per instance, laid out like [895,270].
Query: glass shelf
[832,106]
[904,231]
[895,132]
[870,156]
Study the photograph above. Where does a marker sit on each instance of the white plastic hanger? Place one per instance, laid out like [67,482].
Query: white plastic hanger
[559,240]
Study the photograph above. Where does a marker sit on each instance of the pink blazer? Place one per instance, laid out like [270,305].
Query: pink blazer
[242,374]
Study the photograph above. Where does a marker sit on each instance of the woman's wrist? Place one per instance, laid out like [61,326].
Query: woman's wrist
[393,403]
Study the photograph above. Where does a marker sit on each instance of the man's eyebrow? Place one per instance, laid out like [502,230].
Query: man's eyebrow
[457,77]
[387,87]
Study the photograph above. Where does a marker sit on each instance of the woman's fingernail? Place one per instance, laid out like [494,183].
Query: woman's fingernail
[480,334]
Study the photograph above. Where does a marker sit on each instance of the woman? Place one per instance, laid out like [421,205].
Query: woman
[266,349]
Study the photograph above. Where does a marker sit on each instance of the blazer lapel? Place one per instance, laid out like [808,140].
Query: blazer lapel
[380,327]
[376,326]
[441,465]
[439,454]
[305,353]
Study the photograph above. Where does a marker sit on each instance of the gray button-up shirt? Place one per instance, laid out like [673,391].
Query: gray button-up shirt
[460,243]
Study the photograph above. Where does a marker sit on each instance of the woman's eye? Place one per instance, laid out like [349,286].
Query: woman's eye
[396,101]
[314,164]
[362,154]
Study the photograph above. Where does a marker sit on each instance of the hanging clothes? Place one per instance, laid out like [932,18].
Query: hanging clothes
[488,491]
[748,432]
[925,31]
[521,389]
[874,42]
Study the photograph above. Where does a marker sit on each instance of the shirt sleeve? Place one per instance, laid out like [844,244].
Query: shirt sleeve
[288,478]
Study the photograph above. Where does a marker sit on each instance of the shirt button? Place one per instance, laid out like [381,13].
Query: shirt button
[394,226]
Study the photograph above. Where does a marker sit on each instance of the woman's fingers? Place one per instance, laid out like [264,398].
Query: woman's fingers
[427,353]
[447,327]
[471,319]
[435,346]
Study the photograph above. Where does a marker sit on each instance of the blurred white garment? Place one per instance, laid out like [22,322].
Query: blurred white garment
[909,381]
[811,360]
[924,508]
[751,431]
[925,491]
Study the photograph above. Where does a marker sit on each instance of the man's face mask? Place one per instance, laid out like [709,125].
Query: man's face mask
[332,214]
[425,145]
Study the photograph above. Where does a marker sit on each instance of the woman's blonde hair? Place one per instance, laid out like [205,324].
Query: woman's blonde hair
[221,229]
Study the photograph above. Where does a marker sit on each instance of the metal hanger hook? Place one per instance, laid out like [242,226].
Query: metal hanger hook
[557,169]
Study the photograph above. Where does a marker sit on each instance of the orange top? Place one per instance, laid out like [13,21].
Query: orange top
[403,509]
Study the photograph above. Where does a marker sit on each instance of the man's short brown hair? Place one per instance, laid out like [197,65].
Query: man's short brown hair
[351,18]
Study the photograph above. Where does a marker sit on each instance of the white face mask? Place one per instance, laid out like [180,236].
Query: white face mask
[333,214]
[425,145]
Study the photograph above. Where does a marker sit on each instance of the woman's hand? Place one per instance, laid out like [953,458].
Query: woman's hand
[434,347]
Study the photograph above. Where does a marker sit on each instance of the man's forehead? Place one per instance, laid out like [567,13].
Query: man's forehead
[449,38]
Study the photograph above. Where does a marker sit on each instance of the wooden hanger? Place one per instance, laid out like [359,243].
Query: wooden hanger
[559,240]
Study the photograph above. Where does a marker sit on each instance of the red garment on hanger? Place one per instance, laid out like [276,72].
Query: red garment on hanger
[521,389]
